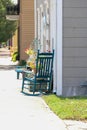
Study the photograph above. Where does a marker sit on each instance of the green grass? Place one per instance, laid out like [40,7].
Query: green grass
[74,108]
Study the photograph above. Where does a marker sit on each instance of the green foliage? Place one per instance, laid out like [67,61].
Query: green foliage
[74,108]
[7,28]
[22,63]
[15,56]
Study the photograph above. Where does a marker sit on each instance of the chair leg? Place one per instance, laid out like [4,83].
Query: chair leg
[17,75]
[22,85]
[34,87]
[49,87]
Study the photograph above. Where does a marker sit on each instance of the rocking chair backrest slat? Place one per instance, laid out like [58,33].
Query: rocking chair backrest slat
[44,64]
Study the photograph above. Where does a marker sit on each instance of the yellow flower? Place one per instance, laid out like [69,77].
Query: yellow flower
[29,51]
[32,58]
[31,64]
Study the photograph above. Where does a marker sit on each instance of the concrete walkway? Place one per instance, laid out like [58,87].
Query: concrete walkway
[21,112]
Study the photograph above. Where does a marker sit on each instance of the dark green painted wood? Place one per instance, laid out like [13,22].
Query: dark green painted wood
[44,72]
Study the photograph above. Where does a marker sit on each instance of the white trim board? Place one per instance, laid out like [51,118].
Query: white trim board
[59,47]
[35,17]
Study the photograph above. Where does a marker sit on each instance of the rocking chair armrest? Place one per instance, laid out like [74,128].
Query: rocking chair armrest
[28,74]
[19,67]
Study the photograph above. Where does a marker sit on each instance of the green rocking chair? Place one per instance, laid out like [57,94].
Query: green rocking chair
[41,80]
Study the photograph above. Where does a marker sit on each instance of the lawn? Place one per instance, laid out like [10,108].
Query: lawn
[74,108]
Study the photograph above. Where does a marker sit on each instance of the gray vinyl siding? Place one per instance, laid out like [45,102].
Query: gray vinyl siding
[74,46]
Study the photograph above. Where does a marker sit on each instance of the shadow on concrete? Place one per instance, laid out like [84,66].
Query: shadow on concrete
[30,94]
[7,67]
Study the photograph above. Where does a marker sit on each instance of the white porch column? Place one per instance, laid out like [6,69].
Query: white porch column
[53,41]
[41,28]
[59,47]
[35,20]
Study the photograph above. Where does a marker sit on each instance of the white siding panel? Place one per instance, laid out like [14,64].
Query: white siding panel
[75,42]
[75,12]
[75,3]
[75,72]
[75,62]
[74,52]
[75,22]
[73,81]
[75,32]
[74,46]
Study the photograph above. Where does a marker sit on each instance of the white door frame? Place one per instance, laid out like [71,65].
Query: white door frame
[59,46]
[53,39]
[35,13]
[56,41]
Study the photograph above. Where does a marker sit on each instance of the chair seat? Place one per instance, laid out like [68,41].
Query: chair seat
[38,80]
[20,70]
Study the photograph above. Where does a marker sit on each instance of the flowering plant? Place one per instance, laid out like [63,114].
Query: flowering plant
[29,51]
[31,62]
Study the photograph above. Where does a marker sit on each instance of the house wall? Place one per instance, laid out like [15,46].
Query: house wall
[39,2]
[55,37]
[14,46]
[74,47]
[26,24]
[15,41]
[42,24]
